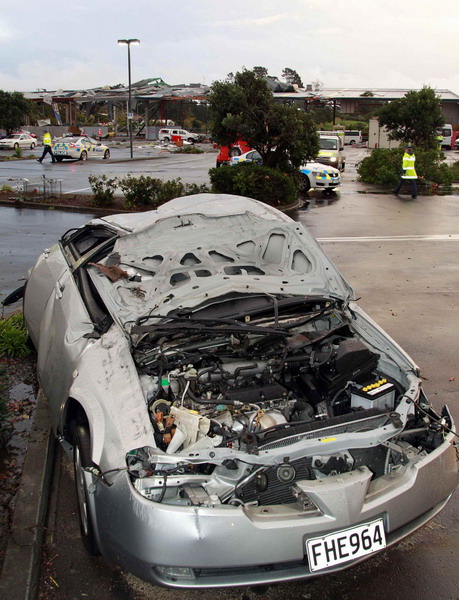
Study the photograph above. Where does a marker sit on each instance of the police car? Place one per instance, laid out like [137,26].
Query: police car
[313,174]
[80,148]
[317,176]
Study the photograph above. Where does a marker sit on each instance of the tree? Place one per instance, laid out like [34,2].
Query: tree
[285,136]
[13,110]
[292,77]
[414,118]
[261,72]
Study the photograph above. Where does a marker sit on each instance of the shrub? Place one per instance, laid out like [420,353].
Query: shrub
[17,152]
[255,181]
[188,150]
[429,166]
[196,188]
[140,191]
[13,337]
[6,188]
[147,191]
[384,167]
[103,189]
[454,168]
[173,188]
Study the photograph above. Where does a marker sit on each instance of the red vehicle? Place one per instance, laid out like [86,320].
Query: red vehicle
[226,152]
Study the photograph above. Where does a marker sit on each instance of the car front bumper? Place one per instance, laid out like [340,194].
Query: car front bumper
[228,546]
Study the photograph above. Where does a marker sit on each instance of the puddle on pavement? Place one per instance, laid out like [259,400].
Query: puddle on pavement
[18,388]
[312,200]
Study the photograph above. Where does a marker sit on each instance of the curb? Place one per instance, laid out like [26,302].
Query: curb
[19,203]
[21,567]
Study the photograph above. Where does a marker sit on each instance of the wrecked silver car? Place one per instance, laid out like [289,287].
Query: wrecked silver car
[233,416]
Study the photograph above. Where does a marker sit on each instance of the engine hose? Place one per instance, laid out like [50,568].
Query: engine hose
[238,370]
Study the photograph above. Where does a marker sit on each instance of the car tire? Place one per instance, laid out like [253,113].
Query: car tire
[84,155]
[305,184]
[32,145]
[166,139]
[352,142]
[59,158]
[16,146]
[191,140]
[106,154]
[82,459]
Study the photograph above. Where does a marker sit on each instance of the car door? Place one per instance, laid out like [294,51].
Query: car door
[57,320]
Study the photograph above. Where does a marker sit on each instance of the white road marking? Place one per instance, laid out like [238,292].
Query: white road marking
[453,237]
[75,191]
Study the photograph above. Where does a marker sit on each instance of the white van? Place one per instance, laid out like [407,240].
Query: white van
[165,135]
[352,137]
[447,133]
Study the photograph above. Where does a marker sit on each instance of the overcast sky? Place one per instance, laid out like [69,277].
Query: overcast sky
[342,43]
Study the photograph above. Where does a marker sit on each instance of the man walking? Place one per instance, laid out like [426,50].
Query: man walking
[47,147]
[409,172]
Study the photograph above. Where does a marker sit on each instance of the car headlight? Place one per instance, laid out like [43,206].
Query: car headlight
[316,173]
[333,159]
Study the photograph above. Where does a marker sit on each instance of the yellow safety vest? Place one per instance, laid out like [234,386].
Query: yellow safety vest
[409,172]
[47,141]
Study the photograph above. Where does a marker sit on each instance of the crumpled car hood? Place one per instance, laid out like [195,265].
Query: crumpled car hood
[204,246]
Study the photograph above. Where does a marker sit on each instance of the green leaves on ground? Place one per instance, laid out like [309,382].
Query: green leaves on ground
[13,337]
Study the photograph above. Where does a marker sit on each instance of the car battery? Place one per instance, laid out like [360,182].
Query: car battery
[378,393]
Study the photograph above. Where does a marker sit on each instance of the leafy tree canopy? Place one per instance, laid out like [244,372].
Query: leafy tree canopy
[414,118]
[260,71]
[292,77]
[13,109]
[285,136]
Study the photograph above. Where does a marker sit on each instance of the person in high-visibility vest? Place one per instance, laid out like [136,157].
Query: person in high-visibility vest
[409,172]
[440,141]
[47,147]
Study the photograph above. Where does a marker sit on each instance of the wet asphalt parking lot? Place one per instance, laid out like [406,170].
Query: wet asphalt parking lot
[400,256]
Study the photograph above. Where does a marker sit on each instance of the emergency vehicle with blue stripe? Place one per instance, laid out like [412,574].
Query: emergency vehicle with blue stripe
[313,174]
[80,148]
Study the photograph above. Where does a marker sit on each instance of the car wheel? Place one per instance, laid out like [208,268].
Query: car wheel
[16,146]
[32,145]
[352,142]
[84,155]
[59,158]
[107,154]
[82,459]
[191,140]
[305,184]
[166,139]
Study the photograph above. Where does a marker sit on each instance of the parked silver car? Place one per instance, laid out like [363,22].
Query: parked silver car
[233,416]
[18,140]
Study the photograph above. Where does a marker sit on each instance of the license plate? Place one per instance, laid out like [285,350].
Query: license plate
[59,152]
[348,544]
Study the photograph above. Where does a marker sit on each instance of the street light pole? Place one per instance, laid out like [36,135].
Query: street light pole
[129,115]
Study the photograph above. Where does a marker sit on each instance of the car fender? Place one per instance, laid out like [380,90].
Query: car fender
[109,390]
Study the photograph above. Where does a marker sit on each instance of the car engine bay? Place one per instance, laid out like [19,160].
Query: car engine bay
[238,403]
